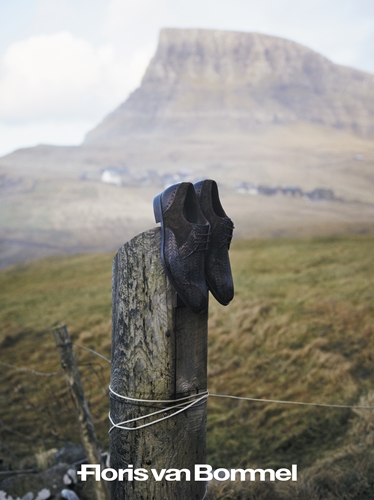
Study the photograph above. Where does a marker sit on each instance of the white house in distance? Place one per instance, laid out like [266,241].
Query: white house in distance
[111,176]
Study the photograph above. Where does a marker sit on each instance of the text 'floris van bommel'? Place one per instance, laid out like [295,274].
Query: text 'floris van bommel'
[202,472]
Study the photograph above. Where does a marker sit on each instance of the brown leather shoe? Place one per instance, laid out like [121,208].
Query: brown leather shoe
[184,240]
[217,263]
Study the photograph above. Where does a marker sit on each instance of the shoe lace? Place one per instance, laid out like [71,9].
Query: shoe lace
[198,242]
[227,228]
[202,240]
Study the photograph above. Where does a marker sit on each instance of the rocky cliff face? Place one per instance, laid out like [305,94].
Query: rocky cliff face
[218,81]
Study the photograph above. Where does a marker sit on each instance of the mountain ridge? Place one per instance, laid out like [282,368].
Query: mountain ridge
[216,81]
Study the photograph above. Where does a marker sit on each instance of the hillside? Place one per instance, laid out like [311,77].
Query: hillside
[285,132]
[300,328]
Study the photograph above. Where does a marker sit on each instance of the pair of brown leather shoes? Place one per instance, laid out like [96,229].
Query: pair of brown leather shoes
[195,238]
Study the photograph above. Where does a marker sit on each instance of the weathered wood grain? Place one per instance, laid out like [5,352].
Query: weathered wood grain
[158,352]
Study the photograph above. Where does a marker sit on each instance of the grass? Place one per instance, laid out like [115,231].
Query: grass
[35,297]
[301,328]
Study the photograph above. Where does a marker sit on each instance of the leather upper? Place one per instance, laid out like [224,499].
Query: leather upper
[217,263]
[185,240]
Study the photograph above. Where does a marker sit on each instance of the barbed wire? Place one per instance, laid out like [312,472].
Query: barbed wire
[328,405]
[92,351]
[277,401]
[208,394]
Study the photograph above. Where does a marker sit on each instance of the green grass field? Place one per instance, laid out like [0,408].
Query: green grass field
[300,328]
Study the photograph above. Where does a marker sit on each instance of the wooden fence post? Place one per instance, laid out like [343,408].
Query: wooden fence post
[86,427]
[159,352]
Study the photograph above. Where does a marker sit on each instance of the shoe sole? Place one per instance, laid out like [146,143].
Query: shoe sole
[157,209]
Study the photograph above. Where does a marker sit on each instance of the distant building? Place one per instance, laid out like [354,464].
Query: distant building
[317,194]
[111,176]
[293,191]
[246,188]
[267,191]
[90,176]
[320,194]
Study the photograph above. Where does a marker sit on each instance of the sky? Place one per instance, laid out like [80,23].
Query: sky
[65,64]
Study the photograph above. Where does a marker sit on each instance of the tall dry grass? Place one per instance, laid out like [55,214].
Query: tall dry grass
[300,328]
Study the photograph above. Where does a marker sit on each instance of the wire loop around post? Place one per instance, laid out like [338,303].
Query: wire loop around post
[182,403]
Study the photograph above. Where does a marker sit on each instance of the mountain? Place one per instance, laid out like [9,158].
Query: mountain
[220,81]
[287,134]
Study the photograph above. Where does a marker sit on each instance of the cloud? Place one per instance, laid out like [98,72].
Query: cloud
[61,76]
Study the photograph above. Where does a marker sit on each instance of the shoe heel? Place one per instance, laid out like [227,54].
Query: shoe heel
[157,208]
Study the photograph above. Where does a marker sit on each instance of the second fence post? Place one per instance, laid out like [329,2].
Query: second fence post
[86,426]
[159,353]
